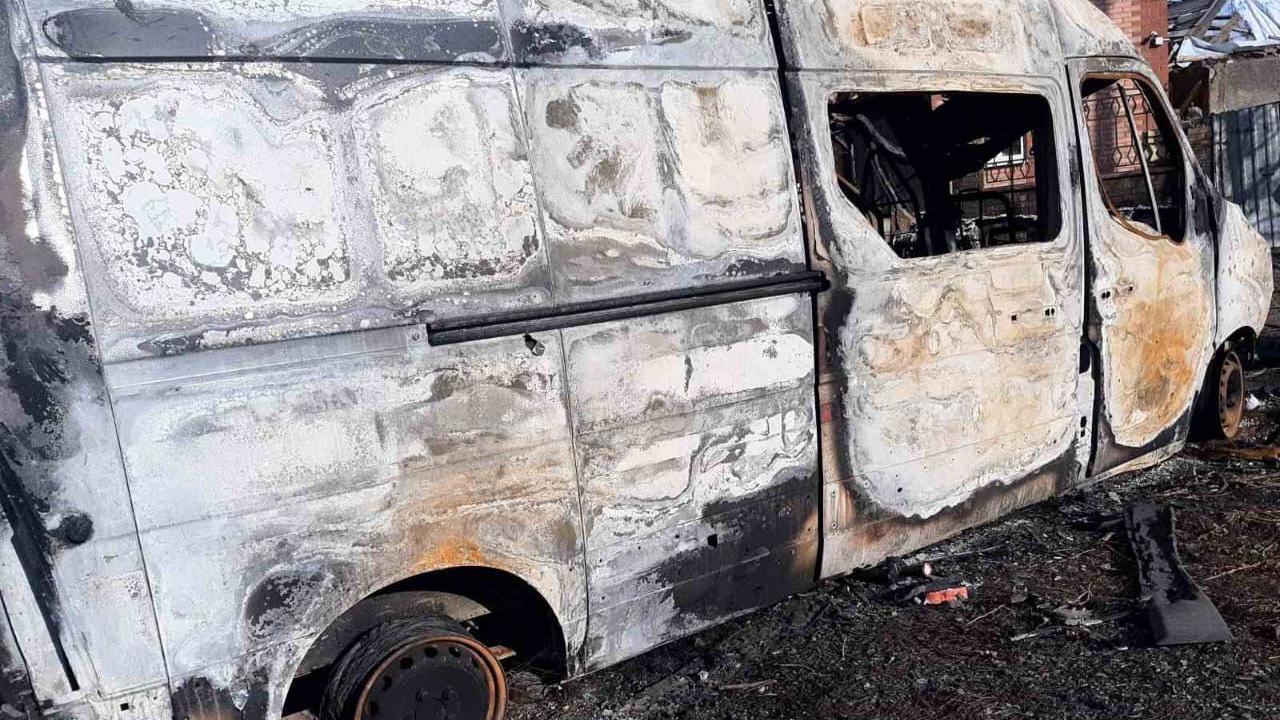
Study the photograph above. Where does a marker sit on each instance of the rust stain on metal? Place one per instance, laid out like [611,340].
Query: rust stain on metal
[450,552]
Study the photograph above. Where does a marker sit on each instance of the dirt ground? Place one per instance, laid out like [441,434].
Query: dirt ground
[842,651]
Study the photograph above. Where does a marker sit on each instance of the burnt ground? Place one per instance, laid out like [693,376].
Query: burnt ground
[842,651]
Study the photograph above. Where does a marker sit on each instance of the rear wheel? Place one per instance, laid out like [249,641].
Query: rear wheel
[428,669]
[1222,400]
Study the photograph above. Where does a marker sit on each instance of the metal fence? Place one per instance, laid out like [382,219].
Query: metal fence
[1247,157]
[1126,137]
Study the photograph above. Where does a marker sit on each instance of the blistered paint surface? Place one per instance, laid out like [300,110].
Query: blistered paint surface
[985,348]
[389,194]
[454,196]
[662,180]
[1245,276]
[954,35]
[188,219]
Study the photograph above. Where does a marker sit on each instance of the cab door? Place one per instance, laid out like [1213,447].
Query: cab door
[1151,313]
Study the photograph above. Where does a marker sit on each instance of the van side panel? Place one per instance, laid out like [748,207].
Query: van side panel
[949,384]
[278,486]
[695,431]
[1152,312]
[661,179]
[697,449]
[391,193]
[296,222]
[278,483]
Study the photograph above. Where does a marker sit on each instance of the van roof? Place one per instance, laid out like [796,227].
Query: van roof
[1008,36]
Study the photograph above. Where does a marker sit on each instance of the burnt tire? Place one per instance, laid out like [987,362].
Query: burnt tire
[428,668]
[1220,409]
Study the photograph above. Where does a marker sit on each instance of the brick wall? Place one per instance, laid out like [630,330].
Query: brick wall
[1201,137]
[1140,18]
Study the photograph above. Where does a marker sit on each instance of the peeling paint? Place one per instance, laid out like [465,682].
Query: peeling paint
[987,36]
[660,180]
[712,33]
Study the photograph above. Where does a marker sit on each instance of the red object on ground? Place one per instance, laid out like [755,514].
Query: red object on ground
[941,597]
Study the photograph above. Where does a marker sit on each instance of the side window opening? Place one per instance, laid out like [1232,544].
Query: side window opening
[938,173]
[1136,156]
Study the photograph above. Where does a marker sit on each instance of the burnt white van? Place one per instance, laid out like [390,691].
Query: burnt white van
[355,351]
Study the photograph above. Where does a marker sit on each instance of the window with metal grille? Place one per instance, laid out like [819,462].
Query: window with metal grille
[1136,156]
[939,173]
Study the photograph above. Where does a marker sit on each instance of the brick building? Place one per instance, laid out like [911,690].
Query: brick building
[1140,19]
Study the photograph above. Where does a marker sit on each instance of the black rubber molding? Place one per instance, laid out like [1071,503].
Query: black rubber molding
[522,322]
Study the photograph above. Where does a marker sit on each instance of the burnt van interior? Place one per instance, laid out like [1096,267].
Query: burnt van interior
[1139,164]
[938,173]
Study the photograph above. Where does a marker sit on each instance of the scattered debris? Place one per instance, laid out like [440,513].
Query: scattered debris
[758,685]
[1076,612]
[1265,453]
[905,583]
[1178,611]
[1098,521]
[946,595]
[1050,629]
[893,570]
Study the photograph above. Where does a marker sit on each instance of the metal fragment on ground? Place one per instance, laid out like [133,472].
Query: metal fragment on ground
[1178,611]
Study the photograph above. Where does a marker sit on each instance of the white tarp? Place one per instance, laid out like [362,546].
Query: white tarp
[1259,26]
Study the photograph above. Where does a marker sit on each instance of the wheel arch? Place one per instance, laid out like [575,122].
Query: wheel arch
[1243,340]
[500,607]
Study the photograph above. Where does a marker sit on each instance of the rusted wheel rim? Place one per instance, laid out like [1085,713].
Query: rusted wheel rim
[449,677]
[1230,395]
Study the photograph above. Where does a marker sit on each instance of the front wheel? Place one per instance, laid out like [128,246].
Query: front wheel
[1221,406]
[429,669]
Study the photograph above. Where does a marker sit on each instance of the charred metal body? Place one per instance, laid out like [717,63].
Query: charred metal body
[319,315]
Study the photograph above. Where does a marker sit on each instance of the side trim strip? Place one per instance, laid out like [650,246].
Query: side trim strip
[519,322]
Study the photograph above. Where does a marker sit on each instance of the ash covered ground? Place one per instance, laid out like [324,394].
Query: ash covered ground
[1054,627]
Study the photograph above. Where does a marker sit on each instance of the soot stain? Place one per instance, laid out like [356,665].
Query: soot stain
[46,359]
[730,572]
[198,698]
[281,602]
[533,41]
[126,31]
